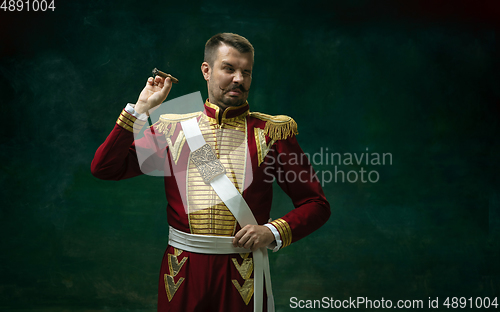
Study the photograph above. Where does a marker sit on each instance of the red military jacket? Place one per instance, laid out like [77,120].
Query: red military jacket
[256,149]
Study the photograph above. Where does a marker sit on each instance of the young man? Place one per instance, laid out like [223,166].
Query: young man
[220,164]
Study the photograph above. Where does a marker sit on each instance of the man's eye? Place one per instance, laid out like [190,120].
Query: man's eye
[229,69]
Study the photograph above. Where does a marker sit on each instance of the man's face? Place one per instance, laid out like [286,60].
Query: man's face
[229,78]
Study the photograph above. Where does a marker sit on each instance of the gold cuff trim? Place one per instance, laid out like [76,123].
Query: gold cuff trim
[124,119]
[128,116]
[285,231]
[124,125]
[132,120]
[129,122]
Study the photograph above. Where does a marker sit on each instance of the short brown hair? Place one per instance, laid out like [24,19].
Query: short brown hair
[238,42]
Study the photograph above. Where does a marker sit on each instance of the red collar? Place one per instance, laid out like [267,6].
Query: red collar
[233,112]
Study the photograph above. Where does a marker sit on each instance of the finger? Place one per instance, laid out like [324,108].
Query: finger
[150,81]
[249,244]
[159,84]
[165,89]
[245,241]
[238,236]
[159,79]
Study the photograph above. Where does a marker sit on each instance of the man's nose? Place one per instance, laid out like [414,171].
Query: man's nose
[238,77]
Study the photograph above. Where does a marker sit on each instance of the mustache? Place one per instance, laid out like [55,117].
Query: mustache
[234,87]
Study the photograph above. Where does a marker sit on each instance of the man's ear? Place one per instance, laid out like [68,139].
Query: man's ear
[206,70]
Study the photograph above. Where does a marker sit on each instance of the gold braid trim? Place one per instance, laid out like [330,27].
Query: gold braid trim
[285,231]
[129,122]
[162,125]
[278,127]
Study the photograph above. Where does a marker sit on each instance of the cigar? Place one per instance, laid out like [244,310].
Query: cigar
[164,75]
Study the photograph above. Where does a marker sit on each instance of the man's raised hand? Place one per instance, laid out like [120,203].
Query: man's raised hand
[154,93]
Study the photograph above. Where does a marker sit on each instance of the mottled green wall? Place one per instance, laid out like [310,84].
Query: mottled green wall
[356,77]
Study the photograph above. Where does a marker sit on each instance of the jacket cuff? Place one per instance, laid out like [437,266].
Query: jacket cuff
[276,245]
[284,230]
[130,108]
[129,122]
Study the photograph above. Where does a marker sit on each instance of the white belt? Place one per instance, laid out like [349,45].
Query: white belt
[204,244]
[228,193]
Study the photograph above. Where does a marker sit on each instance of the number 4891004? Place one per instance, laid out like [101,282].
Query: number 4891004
[28,5]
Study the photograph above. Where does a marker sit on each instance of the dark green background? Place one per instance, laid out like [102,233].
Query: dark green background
[415,79]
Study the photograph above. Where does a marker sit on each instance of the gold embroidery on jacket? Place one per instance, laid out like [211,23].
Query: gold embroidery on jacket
[246,291]
[171,287]
[176,147]
[168,122]
[167,125]
[245,269]
[208,215]
[174,267]
[262,147]
[244,255]
[177,252]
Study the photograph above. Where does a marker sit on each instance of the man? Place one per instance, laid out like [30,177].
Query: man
[197,272]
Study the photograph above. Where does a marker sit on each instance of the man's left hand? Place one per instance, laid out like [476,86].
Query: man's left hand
[253,237]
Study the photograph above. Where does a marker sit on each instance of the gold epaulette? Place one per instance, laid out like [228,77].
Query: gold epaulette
[171,119]
[278,127]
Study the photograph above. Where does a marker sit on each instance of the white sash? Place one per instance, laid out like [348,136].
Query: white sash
[228,193]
